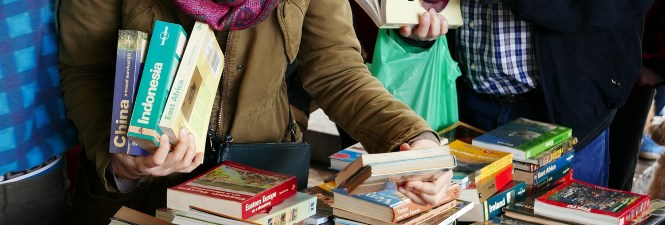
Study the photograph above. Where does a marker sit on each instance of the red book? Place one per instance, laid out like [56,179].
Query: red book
[585,203]
[234,190]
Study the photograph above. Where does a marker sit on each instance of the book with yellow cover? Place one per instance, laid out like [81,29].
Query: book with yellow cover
[191,97]
[475,163]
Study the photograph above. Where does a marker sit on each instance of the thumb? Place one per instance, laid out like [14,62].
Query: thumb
[404,147]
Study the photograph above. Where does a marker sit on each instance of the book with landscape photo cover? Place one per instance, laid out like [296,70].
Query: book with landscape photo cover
[391,166]
[232,189]
[397,13]
[585,203]
[523,137]
[191,97]
[132,47]
[387,205]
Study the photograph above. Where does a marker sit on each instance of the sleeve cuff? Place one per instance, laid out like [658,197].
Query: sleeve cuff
[430,135]
[121,185]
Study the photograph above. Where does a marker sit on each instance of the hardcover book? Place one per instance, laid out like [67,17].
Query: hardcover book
[545,157]
[365,160]
[460,131]
[388,205]
[580,202]
[396,13]
[233,190]
[191,98]
[475,163]
[523,210]
[132,47]
[444,214]
[541,174]
[523,137]
[164,53]
[513,192]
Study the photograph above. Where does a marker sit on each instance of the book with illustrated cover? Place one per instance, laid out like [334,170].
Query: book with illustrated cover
[388,205]
[390,14]
[580,202]
[523,137]
[475,163]
[364,160]
[542,173]
[545,157]
[523,210]
[344,157]
[191,98]
[444,214]
[513,192]
[167,43]
[460,131]
[132,47]
[232,189]
[291,211]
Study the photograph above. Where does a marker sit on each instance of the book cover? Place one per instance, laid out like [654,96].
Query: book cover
[396,13]
[388,205]
[132,47]
[324,195]
[475,163]
[523,137]
[444,214]
[482,190]
[234,190]
[655,215]
[545,157]
[344,157]
[590,204]
[523,210]
[512,192]
[460,131]
[560,176]
[541,174]
[165,50]
[190,100]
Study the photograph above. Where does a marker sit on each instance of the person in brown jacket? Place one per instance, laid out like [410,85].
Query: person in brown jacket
[259,38]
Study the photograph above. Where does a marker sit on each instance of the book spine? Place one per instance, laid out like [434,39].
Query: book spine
[514,192]
[545,171]
[409,209]
[268,198]
[129,61]
[562,175]
[293,214]
[545,141]
[166,47]
[549,155]
[488,187]
[495,167]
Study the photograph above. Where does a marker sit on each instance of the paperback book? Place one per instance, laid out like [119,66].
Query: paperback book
[542,173]
[191,98]
[523,137]
[233,190]
[167,43]
[475,163]
[545,157]
[580,202]
[444,214]
[482,190]
[513,192]
[396,13]
[132,47]
[344,157]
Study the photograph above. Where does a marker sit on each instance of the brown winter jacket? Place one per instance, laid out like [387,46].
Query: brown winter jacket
[319,33]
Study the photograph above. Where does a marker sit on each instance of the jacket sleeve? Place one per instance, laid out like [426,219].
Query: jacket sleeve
[334,74]
[575,16]
[88,41]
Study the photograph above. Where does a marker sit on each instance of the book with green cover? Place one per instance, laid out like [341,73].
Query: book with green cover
[523,137]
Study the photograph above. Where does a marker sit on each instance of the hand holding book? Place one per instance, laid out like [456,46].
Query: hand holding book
[428,191]
[183,159]
[430,27]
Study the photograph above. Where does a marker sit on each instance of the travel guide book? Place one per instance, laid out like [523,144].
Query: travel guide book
[167,44]
[523,137]
[475,163]
[232,189]
[585,203]
[191,98]
[132,47]
[391,14]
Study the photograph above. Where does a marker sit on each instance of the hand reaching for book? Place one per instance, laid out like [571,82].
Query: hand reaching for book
[431,26]
[425,192]
[183,159]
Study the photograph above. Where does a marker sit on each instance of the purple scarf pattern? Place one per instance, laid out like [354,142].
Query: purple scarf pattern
[228,14]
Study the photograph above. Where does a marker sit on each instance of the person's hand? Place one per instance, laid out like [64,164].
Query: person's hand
[183,159]
[425,192]
[431,26]
[649,78]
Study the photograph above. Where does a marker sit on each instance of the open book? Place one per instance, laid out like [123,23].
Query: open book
[397,13]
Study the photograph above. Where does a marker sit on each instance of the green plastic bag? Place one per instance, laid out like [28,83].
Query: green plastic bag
[424,79]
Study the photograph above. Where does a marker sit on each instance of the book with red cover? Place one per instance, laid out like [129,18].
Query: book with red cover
[586,203]
[232,189]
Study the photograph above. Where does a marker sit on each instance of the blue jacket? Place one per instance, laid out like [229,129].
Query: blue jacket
[588,54]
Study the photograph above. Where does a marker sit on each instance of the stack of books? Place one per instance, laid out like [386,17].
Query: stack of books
[232,193]
[542,152]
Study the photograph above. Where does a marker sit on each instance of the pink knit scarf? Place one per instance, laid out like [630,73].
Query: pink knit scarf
[228,14]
